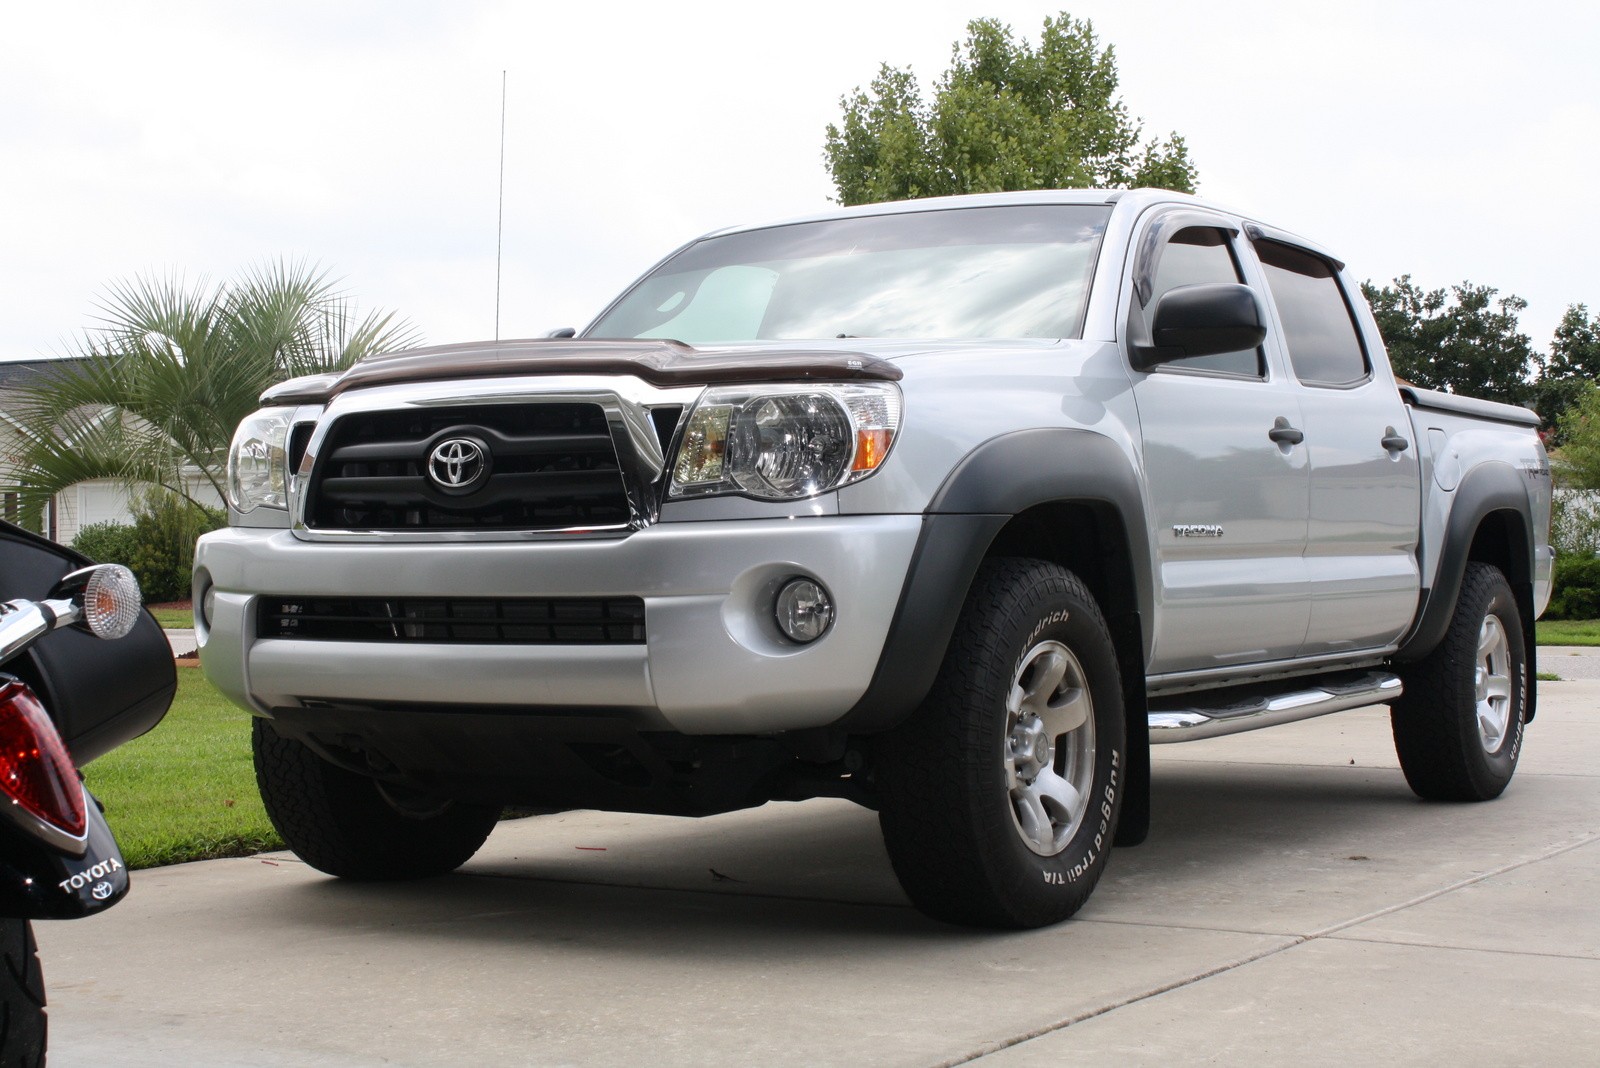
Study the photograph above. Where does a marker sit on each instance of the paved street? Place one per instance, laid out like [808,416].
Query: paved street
[1295,903]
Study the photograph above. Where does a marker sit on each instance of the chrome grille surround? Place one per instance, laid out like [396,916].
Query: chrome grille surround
[625,404]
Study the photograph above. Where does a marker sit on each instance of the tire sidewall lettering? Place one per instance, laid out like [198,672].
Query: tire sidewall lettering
[1053,618]
[1087,849]
[1510,751]
[1078,859]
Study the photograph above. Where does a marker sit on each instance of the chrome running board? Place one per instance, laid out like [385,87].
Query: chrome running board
[1192,716]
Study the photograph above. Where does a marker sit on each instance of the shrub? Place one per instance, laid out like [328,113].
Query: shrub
[158,547]
[107,543]
[1575,522]
[1577,589]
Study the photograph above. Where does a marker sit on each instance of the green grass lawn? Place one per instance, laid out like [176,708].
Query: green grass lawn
[173,618]
[186,790]
[1568,631]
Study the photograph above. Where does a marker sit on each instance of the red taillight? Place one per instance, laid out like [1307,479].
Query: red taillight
[36,774]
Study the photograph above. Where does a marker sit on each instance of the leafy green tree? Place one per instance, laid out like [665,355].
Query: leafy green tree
[1572,366]
[1578,462]
[1575,349]
[1005,116]
[1462,340]
[170,370]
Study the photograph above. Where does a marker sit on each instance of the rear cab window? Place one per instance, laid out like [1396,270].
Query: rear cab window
[1319,328]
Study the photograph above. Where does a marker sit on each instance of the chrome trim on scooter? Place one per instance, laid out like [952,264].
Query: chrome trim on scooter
[73,845]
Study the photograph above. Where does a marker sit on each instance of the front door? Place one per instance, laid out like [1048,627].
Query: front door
[1228,497]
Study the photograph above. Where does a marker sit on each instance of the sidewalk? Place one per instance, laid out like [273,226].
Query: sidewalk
[1294,903]
[1571,662]
[181,639]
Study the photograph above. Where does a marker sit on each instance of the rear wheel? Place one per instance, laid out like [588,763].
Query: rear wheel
[22,1018]
[1458,726]
[355,827]
[1000,796]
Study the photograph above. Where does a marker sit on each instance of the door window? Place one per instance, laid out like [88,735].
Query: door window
[1196,255]
[1324,347]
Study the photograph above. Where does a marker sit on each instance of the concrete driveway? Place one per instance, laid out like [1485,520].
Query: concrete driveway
[1295,903]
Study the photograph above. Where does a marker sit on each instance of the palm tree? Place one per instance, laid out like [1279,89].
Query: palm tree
[169,370]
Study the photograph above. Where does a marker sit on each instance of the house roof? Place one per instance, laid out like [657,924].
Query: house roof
[17,372]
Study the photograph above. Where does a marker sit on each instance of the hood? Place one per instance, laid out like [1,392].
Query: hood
[661,363]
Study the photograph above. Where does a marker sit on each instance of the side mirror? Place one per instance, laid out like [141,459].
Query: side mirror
[1202,320]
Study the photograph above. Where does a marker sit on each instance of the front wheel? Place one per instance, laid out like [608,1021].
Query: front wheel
[355,827]
[22,1018]
[1000,796]
[1458,726]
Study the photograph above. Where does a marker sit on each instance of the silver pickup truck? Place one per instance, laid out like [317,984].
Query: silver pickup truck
[950,507]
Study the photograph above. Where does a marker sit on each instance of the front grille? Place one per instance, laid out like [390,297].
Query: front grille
[550,466]
[481,621]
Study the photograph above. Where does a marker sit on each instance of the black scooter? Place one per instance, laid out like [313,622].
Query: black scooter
[65,698]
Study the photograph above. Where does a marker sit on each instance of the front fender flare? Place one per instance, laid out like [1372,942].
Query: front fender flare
[1000,479]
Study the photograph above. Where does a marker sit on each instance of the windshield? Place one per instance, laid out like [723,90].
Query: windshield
[995,272]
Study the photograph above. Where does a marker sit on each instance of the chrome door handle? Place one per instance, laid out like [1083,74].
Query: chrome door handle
[1284,434]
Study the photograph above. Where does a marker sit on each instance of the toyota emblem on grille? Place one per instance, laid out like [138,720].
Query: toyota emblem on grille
[458,465]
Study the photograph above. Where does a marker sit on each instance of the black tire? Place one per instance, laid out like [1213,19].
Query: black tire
[23,1026]
[961,817]
[349,826]
[1458,740]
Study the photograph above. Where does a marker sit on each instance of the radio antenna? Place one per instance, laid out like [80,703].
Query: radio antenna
[500,219]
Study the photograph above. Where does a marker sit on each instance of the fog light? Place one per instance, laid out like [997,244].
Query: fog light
[804,611]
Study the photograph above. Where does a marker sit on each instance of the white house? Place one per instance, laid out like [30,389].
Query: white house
[95,501]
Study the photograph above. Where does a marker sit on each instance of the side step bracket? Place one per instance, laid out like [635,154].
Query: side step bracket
[1211,714]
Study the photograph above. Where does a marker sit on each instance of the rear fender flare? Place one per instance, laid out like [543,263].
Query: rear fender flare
[1486,489]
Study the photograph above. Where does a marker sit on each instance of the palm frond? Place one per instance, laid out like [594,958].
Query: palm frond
[168,370]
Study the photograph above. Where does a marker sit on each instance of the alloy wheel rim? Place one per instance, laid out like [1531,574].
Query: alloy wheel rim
[1492,684]
[1049,747]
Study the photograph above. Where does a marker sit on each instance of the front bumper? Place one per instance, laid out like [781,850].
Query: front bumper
[712,662]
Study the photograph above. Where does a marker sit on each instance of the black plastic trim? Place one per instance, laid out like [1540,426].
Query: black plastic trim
[1001,479]
[1154,242]
[1257,232]
[1010,474]
[1486,489]
[949,550]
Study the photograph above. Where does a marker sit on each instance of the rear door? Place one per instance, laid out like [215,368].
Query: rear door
[1361,565]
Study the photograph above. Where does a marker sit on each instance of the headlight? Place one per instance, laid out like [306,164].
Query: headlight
[258,474]
[785,442]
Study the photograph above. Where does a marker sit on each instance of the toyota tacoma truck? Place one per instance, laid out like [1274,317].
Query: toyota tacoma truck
[951,507]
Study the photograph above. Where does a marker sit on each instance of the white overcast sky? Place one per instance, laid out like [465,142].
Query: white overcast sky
[1452,140]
